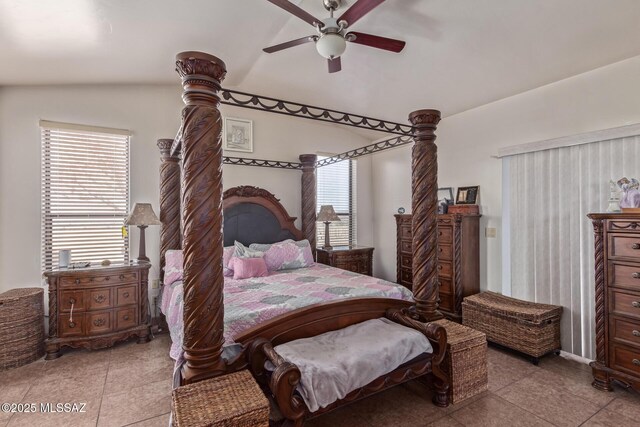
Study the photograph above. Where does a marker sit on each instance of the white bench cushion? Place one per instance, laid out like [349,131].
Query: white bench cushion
[335,363]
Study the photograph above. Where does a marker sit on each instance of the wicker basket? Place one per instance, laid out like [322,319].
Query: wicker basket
[465,362]
[528,327]
[21,327]
[230,400]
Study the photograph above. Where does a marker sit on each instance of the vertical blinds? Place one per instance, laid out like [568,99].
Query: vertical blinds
[85,193]
[336,186]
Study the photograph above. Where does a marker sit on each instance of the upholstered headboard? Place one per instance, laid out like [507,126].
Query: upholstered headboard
[254,215]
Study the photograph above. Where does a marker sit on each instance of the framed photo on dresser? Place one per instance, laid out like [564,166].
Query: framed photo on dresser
[467,195]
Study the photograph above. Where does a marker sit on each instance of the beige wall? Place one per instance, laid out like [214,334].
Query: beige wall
[150,112]
[600,99]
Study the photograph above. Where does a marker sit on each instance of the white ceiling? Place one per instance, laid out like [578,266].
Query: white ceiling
[460,53]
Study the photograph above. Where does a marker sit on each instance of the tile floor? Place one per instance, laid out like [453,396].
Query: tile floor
[130,385]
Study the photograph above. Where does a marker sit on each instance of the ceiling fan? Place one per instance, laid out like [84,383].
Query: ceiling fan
[331,40]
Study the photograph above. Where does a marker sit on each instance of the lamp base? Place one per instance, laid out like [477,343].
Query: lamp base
[327,242]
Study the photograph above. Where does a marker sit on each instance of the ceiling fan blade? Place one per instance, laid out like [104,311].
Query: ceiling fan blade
[335,65]
[295,10]
[376,41]
[358,10]
[286,45]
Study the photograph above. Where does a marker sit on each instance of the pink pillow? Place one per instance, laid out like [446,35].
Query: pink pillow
[173,266]
[246,268]
[227,255]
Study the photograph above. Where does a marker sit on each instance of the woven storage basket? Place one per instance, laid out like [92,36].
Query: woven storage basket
[230,400]
[528,327]
[21,327]
[465,362]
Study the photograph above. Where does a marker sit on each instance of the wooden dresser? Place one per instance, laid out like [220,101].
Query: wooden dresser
[358,259]
[458,259]
[617,299]
[95,307]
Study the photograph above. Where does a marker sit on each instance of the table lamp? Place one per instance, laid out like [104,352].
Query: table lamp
[327,215]
[142,215]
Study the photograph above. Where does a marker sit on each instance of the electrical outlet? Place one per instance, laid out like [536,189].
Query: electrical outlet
[490,232]
[155,283]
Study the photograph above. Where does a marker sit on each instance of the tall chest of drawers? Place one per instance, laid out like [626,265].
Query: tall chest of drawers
[96,307]
[458,259]
[617,299]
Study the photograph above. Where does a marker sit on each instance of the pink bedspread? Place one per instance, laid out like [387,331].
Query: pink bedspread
[250,302]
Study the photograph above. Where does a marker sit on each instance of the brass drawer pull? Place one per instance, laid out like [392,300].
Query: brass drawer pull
[107,278]
[99,321]
[72,301]
[126,294]
[77,281]
[122,277]
[636,275]
[636,362]
[72,324]
[99,298]
[439,267]
[125,317]
[635,333]
[635,304]
[635,246]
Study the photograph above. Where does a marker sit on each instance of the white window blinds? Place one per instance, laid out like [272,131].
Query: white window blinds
[85,193]
[336,186]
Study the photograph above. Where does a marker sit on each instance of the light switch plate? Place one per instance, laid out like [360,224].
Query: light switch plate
[155,283]
[490,232]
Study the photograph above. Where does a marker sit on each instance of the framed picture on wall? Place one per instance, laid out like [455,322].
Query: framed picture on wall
[467,195]
[237,135]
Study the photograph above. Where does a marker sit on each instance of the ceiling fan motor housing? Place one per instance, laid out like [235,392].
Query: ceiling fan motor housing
[331,5]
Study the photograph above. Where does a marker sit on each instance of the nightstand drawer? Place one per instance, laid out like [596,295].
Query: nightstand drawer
[405,231]
[126,295]
[99,323]
[71,328]
[446,302]
[99,279]
[99,298]
[126,318]
[405,261]
[445,285]
[405,246]
[71,298]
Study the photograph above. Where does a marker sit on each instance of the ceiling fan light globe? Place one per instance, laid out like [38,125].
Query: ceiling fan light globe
[331,46]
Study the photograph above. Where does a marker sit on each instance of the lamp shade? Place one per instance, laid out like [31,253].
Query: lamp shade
[327,214]
[142,214]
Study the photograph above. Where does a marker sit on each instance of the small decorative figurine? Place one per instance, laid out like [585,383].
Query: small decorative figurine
[401,210]
[630,194]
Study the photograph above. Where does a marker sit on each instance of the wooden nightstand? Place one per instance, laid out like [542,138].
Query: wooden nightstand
[358,259]
[95,307]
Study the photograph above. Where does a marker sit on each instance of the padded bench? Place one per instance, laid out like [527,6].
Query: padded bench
[313,375]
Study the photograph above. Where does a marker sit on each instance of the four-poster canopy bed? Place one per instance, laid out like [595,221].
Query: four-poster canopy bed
[192,202]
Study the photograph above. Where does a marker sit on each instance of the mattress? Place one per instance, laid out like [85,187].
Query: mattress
[250,302]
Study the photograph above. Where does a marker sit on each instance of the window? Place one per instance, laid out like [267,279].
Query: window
[85,193]
[337,187]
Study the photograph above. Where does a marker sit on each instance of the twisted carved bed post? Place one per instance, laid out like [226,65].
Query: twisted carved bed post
[424,186]
[170,235]
[309,202]
[202,215]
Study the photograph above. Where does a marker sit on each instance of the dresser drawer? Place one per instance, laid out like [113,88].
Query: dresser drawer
[444,252]
[68,328]
[406,275]
[99,299]
[99,279]
[70,298]
[624,303]
[445,268]
[445,233]
[126,318]
[625,331]
[405,246]
[625,276]
[99,322]
[405,261]
[405,231]
[625,225]
[446,301]
[624,246]
[445,285]
[126,295]
[625,358]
